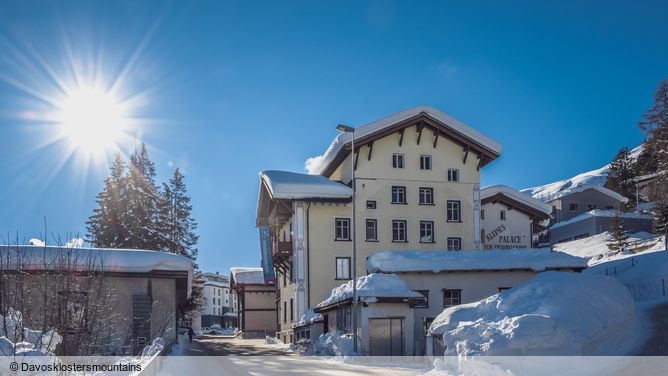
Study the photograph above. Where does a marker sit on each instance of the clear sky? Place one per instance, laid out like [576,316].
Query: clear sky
[225,90]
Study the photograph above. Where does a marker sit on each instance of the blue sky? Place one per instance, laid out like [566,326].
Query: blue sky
[233,88]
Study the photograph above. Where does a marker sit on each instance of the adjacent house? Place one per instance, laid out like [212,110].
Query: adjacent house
[256,316]
[446,278]
[219,306]
[598,221]
[572,202]
[511,219]
[417,181]
[101,301]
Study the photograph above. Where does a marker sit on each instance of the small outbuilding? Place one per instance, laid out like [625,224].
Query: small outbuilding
[257,302]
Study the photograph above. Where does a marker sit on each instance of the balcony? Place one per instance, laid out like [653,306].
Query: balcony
[282,249]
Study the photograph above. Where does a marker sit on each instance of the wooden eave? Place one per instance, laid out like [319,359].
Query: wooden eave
[516,205]
[423,120]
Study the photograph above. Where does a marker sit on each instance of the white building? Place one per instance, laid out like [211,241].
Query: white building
[219,305]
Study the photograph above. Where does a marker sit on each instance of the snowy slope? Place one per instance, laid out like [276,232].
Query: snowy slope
[596,250]
[596,177]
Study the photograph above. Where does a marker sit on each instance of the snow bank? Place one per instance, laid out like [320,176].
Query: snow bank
[645,274]
[272,341]
[553,314]
[20,341]
[602,213]
[292,185]
[334,343]
[318,164]
[154,348]
[502,259]
[247,276]
[370,287]
[595,247]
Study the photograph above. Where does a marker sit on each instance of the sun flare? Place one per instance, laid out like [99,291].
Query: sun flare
[92,120]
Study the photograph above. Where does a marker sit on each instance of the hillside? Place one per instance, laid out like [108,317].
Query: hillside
[593,177]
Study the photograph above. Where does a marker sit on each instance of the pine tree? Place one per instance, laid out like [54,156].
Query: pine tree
[105,227]
[620,236]
[141,196]
[654,158]
[660,213]
[621,175]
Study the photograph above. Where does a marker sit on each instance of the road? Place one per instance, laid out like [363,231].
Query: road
[216,346]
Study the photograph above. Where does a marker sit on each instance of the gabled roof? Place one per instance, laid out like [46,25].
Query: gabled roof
[515,199]
[608,192]
[445,124]
[292,185]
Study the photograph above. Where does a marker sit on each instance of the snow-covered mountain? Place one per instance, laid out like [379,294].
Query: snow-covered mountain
[594,177]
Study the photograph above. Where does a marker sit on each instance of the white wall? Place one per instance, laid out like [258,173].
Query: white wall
[513,232]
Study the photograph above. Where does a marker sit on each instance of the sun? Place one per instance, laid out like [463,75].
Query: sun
[92,120]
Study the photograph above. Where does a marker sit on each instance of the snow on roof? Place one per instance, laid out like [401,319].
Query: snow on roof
[371,287]
[447,261]
[247,276]
[596,177]
[601,213]
[515,195]
[31,257]
[319,164]
[309,317]
[605,191]
[292,185]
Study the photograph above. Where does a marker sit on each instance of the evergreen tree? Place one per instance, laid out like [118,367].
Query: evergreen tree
[105,227]
[660,213]
[621,175]
[620,236]
[175,218]
[654,158]
[141,196]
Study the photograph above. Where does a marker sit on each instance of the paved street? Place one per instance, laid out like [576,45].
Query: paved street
[216,346]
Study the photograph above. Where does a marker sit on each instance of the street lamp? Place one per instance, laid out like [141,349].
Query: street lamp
[351,130]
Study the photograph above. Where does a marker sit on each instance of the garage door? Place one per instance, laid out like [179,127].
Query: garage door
[386,336]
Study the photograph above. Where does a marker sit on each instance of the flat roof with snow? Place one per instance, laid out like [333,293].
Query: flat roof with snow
[292,185]
[247,276]
[456,128]
[371,288]
[536,259]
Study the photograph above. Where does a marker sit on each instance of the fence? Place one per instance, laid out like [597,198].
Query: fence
[646,289]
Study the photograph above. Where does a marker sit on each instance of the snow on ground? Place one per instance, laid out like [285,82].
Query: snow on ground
[501,259]
[538,318]
[370,287]
[596,177]
[596,250]
[334,343]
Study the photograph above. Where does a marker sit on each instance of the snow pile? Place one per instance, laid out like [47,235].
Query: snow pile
[553,314]
[596,177]
[272,341]
[247,276]
[645,275]
[502,259]
[309,317]
[75,243]
[516,195]
[334,343]
[318,164]
[17,340]
[36,242]
[602,213]
[370,287]
[595,247]
[154,348]
[292,185]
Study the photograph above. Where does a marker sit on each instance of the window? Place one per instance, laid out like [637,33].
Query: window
[452,297]
[573,207]
[424,293]
[454,244]
[425,162]
[72,311]
[591,207]
[426,196]
[453,174]
[426,231]
[426,323]
[482,214]
[371,230]
[454,209]
[371,204]
[398,194]
[292,310]
[502,215]
[504,288]
[609,207]
[342,231]
[399,231]
[285,311]
[343,268]
[397,160]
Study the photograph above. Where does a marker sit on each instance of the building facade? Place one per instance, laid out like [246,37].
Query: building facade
[573,202]
[256,315]
[417,179]
[219,305]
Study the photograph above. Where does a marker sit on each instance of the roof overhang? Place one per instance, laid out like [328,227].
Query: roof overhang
[514,204]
